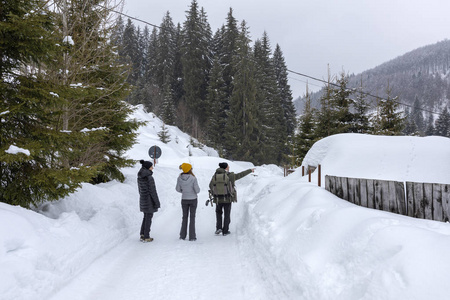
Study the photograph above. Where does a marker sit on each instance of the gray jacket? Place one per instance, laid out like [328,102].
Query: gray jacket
[187,185]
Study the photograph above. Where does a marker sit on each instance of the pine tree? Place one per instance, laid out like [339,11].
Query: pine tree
[163,66]
[139,93]
[305,137]
[152,93]
[163,134]
[341,104]
[325,121]
[430,126]
[117,35]
[217,107]
[361,123]
[94,88]
[217,43]
[242,134]
[274,130]
[177,85]
[31,108]
[391,119]
[375,119]
[410,125]
[196,64]
[284,90]
[442,124]
[168,108]
[144,42]
[417,116]
[229,50]
[165,55]
[130,51]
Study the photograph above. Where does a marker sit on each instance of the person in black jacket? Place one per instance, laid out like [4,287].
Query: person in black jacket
[148,198]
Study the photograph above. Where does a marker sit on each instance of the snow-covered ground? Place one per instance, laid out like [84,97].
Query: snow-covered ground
[290,239]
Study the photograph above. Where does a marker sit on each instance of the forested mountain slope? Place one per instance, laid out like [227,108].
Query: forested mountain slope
[421,74]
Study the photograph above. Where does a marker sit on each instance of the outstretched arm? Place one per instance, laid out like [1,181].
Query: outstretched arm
[238,176]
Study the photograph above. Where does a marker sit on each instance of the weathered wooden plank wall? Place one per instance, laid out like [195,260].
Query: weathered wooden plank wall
[429,201]
[371,193]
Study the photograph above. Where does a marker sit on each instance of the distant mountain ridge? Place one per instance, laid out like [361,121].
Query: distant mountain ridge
[423,73]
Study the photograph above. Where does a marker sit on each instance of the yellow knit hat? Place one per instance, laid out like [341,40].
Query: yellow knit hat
[185,167]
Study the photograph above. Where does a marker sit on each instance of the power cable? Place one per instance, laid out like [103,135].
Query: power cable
[134,18]
[362,92]
[291,71]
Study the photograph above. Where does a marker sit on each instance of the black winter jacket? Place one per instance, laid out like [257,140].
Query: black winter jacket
[148,197]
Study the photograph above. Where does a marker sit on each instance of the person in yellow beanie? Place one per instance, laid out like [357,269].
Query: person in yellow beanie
[187,185]
[186,167]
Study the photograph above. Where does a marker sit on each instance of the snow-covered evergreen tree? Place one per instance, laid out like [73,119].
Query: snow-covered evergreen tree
[94,86]
[341,104]
[305,137]
[442,124]
[163,134]
[391,120]
[361,122]
[242,132]
[274,132]
[325,122]
[196,64]
[417,116]
[217,103]
[284,90]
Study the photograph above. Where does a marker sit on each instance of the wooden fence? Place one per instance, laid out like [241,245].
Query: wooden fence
[423,200]
[428,201]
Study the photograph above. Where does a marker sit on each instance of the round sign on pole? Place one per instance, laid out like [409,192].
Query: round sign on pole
[154,152]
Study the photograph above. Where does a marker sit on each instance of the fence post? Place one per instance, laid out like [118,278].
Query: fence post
[309,174]
[303,171]
[319,175]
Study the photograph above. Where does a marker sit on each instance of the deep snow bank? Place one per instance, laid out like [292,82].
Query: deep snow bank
[326,248]
[401,158]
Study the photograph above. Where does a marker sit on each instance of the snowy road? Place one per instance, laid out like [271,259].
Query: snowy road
[213,267]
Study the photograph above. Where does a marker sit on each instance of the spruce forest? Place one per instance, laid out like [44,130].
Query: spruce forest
[221,88]
[233,94]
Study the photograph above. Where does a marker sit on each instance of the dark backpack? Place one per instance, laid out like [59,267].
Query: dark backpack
[221,185]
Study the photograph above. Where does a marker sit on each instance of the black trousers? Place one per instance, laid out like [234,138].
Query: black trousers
[189,208]
[225,209]
[146,224]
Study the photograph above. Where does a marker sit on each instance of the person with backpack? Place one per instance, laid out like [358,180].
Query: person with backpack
[187,185]
[222,187]
[148,198]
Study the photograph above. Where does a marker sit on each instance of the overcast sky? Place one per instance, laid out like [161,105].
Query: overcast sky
[349,35]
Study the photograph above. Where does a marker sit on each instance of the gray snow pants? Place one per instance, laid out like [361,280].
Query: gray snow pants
[189,208]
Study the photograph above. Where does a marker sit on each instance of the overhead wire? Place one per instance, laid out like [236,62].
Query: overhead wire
[362,92]
[128,16]
[291,71]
